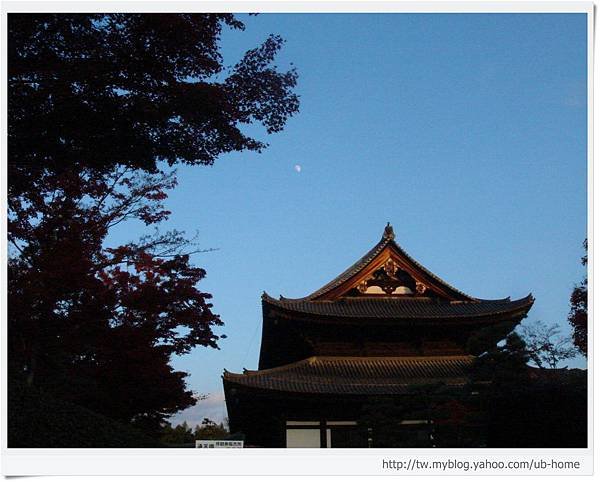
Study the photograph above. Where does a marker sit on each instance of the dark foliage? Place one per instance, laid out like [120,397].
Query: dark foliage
[578,314]
[431,416]
[98,105]
[504,364]
[183,434]
[98,325]
[549,411]
[36,419]
[523,406]
[95,91]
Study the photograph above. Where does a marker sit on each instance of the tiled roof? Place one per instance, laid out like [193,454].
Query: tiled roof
[357,375]
[386,240]
[401,308]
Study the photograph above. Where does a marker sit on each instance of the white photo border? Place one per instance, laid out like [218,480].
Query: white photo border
[284,461]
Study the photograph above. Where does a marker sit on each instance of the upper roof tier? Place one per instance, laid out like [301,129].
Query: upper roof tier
[408,308]
[387,271]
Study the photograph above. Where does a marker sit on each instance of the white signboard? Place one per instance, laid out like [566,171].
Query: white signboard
[219,444]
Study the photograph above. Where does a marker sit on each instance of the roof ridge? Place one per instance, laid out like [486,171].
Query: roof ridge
[354,268]
[434,276]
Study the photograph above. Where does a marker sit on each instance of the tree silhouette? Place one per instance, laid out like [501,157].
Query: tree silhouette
[99,90]
[523,406]
[578,314]
[545,346]
[99,106]
[98,325]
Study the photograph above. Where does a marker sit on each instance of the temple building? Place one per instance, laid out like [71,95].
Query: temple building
[385,331]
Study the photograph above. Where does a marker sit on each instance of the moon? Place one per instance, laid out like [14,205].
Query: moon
[297,167]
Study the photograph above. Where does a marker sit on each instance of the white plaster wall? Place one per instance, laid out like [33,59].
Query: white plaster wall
[303,438]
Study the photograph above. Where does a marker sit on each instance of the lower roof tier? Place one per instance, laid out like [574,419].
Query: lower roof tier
[356,375]
[400,308]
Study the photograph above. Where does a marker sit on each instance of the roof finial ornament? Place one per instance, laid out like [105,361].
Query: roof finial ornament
[388,232]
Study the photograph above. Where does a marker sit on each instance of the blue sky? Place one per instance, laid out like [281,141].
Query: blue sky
[466,131]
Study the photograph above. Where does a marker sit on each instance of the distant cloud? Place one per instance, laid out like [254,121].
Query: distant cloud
[212,407]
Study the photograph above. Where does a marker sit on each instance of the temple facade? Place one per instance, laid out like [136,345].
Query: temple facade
[361,361]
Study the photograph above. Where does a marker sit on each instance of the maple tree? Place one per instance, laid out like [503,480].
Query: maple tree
[95,324]
[99,107]
[95,90]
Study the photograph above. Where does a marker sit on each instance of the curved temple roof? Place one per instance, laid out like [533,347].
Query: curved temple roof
[357,375]
[448,302]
